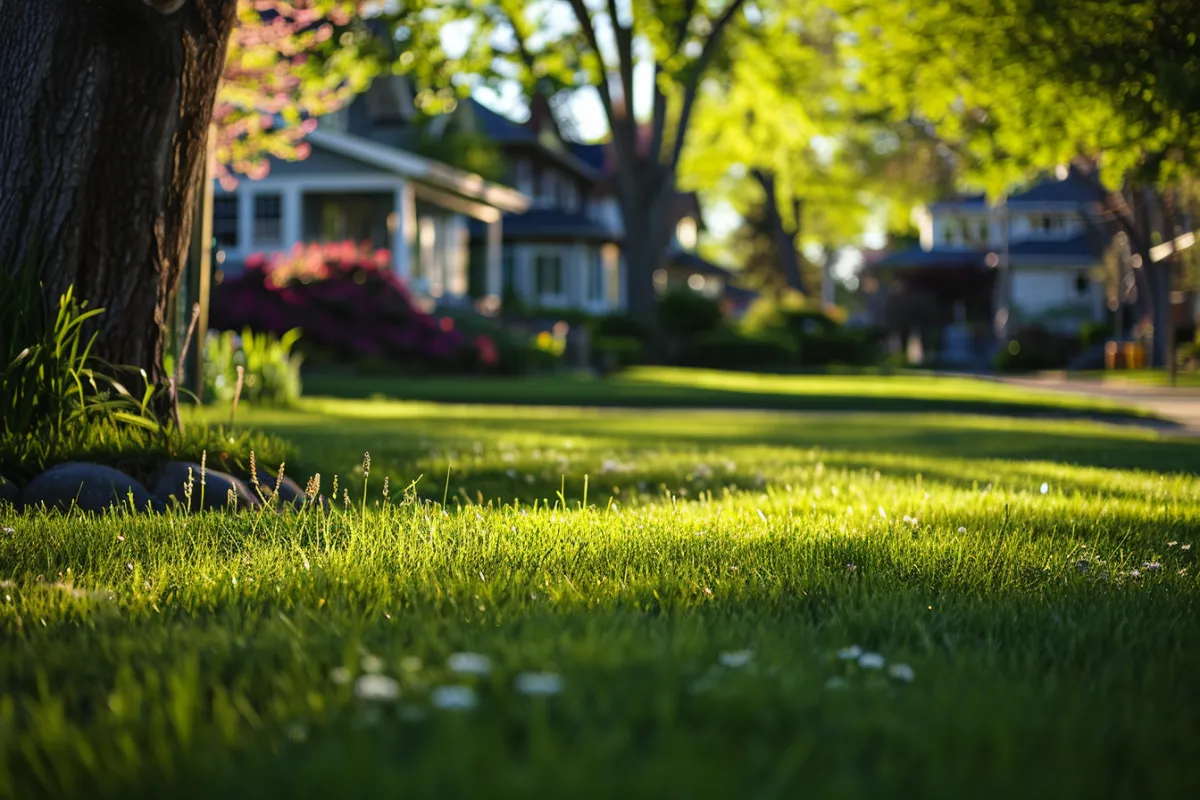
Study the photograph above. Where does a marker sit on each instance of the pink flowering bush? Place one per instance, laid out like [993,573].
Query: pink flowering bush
[348,304]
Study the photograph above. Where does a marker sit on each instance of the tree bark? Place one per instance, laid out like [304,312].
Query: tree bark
[646,194]
[104,114]
[784,240]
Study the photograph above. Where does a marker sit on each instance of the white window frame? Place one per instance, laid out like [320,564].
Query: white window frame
[560,298]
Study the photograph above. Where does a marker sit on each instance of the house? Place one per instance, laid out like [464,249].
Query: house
[982,271]
[358,183]
[552,242]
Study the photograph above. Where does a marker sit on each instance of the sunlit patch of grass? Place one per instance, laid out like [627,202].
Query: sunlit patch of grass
[741,605]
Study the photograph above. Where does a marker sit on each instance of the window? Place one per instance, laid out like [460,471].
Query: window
[524,176]
[268,219]
[225,221]
[596,284]
[507,266]
[570,196]
[548,196]
[548,275]
[1082,284]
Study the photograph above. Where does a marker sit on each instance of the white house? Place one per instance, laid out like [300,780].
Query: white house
[352,188]
[982,270]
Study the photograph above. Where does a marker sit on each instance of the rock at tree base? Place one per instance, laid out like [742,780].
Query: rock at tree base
[170,488]
[9,493]
[88,487]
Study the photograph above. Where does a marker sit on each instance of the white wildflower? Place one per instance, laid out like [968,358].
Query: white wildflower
[1172,543]
[962,530]
[1045,488]
[702,471]
[372,663]
[8,530]
[736,659]
[454,698]
[1185,547]
[1135,573]
[340,676]
[1152,566]
[469,664]
[539,684]
[902,672]
[850,653]
[870,661]
[378,688]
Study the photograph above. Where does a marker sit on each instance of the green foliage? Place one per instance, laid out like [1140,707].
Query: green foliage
[729,348]
[1034,348]
[271,367]
[820,340]
[684,312]
[220,655]
[618,351]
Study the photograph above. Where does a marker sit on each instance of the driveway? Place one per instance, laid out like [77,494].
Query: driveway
[1178,404]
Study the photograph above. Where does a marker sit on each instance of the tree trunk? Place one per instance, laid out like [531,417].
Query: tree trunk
[784,240]
[645,211]
[104,113]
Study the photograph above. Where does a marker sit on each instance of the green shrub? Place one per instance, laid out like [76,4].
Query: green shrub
[732,349]
[614,352]
[684,312]
[1033,348]
[272,369]
[1094,333]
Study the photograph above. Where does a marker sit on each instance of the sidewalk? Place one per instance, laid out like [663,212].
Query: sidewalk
[1178,404]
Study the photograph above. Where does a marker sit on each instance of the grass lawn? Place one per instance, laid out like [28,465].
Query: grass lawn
[1035,576]
[665,387]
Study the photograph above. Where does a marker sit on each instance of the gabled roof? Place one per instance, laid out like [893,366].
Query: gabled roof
[1074,191]
[421,169]
[1083,249]
[504,131]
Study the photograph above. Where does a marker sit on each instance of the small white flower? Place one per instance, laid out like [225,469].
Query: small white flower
[870,661]
[736,659]
[850,653]
[378,688]
[372,663]
[1152,566]
[1045,488]
[962,530]
[1172,543]
[836,682]
[340,676]
[539,684]
[1185,547]
[8,530]
[469,664]
[702,471]
[902,672]
[454,698]
[1135,573]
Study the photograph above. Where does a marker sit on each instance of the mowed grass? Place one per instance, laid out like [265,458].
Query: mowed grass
[668,387]
[692,605]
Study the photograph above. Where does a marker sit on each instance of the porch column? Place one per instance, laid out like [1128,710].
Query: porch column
[404,230]
[291,226]
[494,278]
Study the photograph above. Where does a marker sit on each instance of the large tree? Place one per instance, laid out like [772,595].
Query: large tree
[548,45]
[105,113]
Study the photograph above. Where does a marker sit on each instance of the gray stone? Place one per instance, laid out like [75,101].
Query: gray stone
[89,487]
[9,493]
[170,488]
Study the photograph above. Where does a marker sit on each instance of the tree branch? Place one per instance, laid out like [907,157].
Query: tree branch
[658,119]
[624,40]
[692,88]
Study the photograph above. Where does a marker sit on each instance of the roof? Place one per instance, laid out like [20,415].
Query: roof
[421,169]
[1084,248]
[553,224]
[690,261]
[594,155]
[1073,190]
[499,128]
[941,258]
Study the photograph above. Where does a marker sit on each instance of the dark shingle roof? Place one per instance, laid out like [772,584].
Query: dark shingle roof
[1087,247]
[693,262]
[499,128]
[1074,189]
[944,258]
